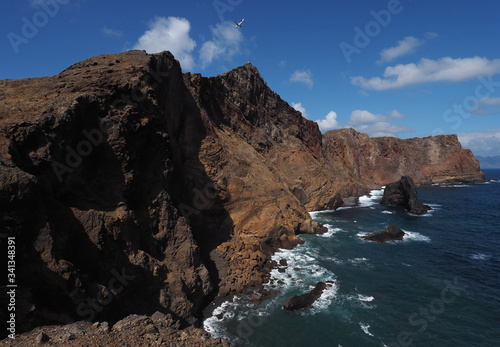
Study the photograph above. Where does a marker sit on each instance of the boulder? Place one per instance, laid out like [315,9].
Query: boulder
[300,302]
[404,193]
[391,233]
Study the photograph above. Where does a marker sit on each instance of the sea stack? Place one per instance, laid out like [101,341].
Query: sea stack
[404,193]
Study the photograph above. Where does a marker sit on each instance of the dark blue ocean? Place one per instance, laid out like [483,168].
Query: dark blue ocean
[440,286]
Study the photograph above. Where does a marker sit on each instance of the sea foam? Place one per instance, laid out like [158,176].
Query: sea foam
[365,327]
[480,256]
[372,198]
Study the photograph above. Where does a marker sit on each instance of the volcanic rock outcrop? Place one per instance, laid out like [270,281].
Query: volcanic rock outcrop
[391,233]
[404,193]
[133,330]
[382,160]
[301,302]
[133,188]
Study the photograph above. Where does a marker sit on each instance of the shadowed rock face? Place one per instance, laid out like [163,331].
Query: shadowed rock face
[404,193]
[391,233]
[132,188]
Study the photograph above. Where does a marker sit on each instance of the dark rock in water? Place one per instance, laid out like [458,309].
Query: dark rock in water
[300,302]
[256,298]
[391,233]
[404,193]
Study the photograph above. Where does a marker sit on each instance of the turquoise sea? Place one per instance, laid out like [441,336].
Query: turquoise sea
[440,286]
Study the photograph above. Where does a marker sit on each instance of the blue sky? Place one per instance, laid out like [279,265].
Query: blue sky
[398,68]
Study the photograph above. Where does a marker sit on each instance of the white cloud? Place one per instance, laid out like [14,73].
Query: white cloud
[111,32]
[427,70]
[397,115]
[329,122]
[377,125]
[404,47]
[225,43]
[487,107]
[362,116]
[490,101]
[485,143]
[379,129]
[302,76]
[298,106]
[170,34]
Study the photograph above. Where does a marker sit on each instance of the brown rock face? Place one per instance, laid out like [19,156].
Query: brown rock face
[132,188]
[133,330]
[89,189]
[433,159]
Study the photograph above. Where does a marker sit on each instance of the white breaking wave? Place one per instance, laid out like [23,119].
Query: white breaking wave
[344,208]
[414,236]
[388,212]
[323,302]
[226,311]
[361,301]
[315,214]
[361,234]
[303,272]
[358,260]
[331,230]
[372,198]
[365,327]
[480,256]
[434,208]
[365,298]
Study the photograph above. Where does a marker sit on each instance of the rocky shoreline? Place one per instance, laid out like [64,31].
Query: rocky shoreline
[134,330]
[132,188]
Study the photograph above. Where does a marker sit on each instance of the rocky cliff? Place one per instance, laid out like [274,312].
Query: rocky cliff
[379,161]
[131,187]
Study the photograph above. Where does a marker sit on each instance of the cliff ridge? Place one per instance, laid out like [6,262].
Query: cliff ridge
[133,188]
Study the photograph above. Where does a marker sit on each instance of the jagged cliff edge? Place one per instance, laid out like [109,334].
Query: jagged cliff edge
[131,187]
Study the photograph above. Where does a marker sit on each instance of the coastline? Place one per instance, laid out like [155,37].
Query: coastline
[187,191]
[255,321]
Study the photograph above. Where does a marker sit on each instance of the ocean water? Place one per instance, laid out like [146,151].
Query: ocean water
[440,286]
